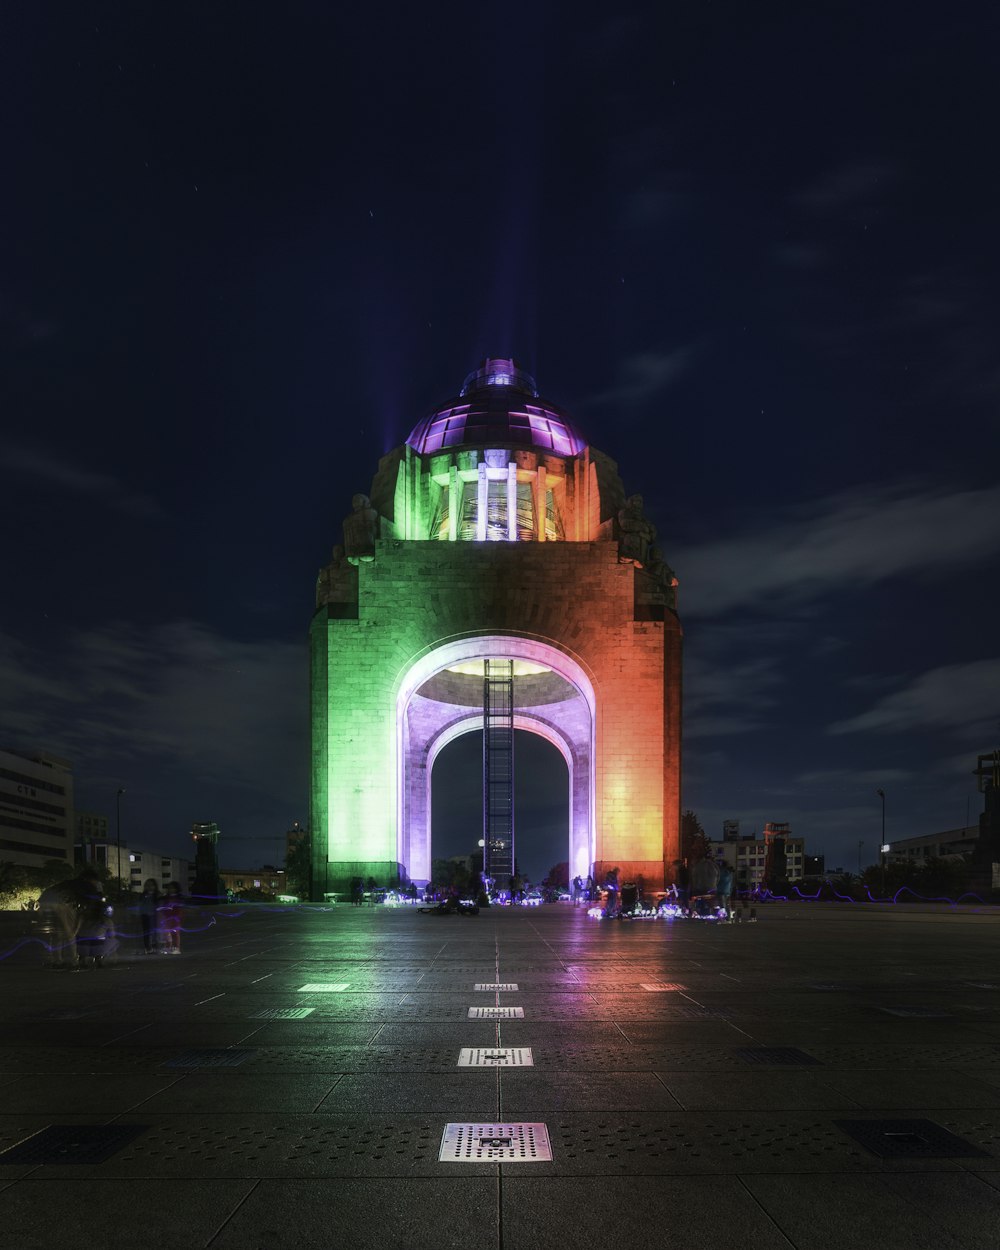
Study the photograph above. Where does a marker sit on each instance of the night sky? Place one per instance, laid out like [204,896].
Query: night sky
[753,249]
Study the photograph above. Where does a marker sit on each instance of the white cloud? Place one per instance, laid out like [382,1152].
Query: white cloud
[45,467]
[838,545]
[959,697]
[724,698]
[179,696]
[846,187]
[643,376]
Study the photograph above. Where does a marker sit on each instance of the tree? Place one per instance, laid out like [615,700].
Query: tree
[558,876]
[694,844]
[298,865]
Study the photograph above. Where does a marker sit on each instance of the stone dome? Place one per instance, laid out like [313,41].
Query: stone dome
[498,406]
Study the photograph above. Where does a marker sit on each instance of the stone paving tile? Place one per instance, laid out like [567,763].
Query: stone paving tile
[893,1211]
[437,1214]
[645,1213]
[228,1090]
[100,1094]
[528,1094]
[887,1090]
[187,1215]
[472,1097]
[764,1089]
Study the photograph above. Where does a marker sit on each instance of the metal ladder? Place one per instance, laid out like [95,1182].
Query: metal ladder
[498,771]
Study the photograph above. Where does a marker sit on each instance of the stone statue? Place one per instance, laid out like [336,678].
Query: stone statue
[360,530]
[635,533]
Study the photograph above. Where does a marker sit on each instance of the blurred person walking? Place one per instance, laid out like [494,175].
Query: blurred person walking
[149,906]
[170,918]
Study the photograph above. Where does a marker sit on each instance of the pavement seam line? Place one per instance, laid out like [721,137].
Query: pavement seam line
[221,1229]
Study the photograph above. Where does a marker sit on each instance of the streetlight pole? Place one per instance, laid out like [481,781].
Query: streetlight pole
[881,845]
[118,830]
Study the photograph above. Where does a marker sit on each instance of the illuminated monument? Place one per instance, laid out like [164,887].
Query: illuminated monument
[498,554]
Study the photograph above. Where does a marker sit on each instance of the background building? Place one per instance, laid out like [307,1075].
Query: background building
[267,880]
[36,808]
[777,855]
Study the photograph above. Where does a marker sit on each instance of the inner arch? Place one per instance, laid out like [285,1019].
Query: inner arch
[439,698]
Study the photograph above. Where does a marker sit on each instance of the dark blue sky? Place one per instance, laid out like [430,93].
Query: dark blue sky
[752,249]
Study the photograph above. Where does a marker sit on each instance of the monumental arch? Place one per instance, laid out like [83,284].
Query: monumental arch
[494,538]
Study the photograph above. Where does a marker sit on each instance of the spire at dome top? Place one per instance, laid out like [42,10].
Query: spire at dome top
[500,371]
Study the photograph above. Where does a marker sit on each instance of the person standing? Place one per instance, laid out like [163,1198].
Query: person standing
[682,885]
[60,914]
[724,890]
[170,918]
[149,906]
[94,919]
[704,883]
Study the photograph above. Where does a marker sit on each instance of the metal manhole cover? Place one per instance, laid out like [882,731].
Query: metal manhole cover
[779,1055]
[909,1139]
[73,1143]
[324,987]
[496,1013]
[509,986]
[917,1013]
[282,1013]
[660,987]
[495,1143]
[495,1057]
[209,1058]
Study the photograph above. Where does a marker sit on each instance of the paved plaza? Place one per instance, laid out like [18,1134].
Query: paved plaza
[827,1077]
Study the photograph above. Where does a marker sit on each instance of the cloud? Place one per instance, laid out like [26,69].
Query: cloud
[845,779]
[722,698]
[180,698]
[43,466]
[959,697]
[848,186]
[838,544]
[650,207]
[643,376]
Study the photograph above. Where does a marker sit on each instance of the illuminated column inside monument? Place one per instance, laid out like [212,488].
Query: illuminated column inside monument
[494,532]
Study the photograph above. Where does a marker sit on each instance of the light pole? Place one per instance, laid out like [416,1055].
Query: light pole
[118,831]
[860,845]
[881,845]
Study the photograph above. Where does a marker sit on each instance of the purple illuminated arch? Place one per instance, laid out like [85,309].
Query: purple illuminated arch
[570,725]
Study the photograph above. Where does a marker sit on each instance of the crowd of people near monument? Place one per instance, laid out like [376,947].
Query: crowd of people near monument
[78,920]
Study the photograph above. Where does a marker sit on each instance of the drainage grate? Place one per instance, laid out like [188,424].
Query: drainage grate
[909,1139]
[495,1057]
[496,1013]
[660,987]
[324,987]
[282,1013]
[495,1143]
[496,985]
[73,1143]
[779,1055]
[217,1058]
[917,1013]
